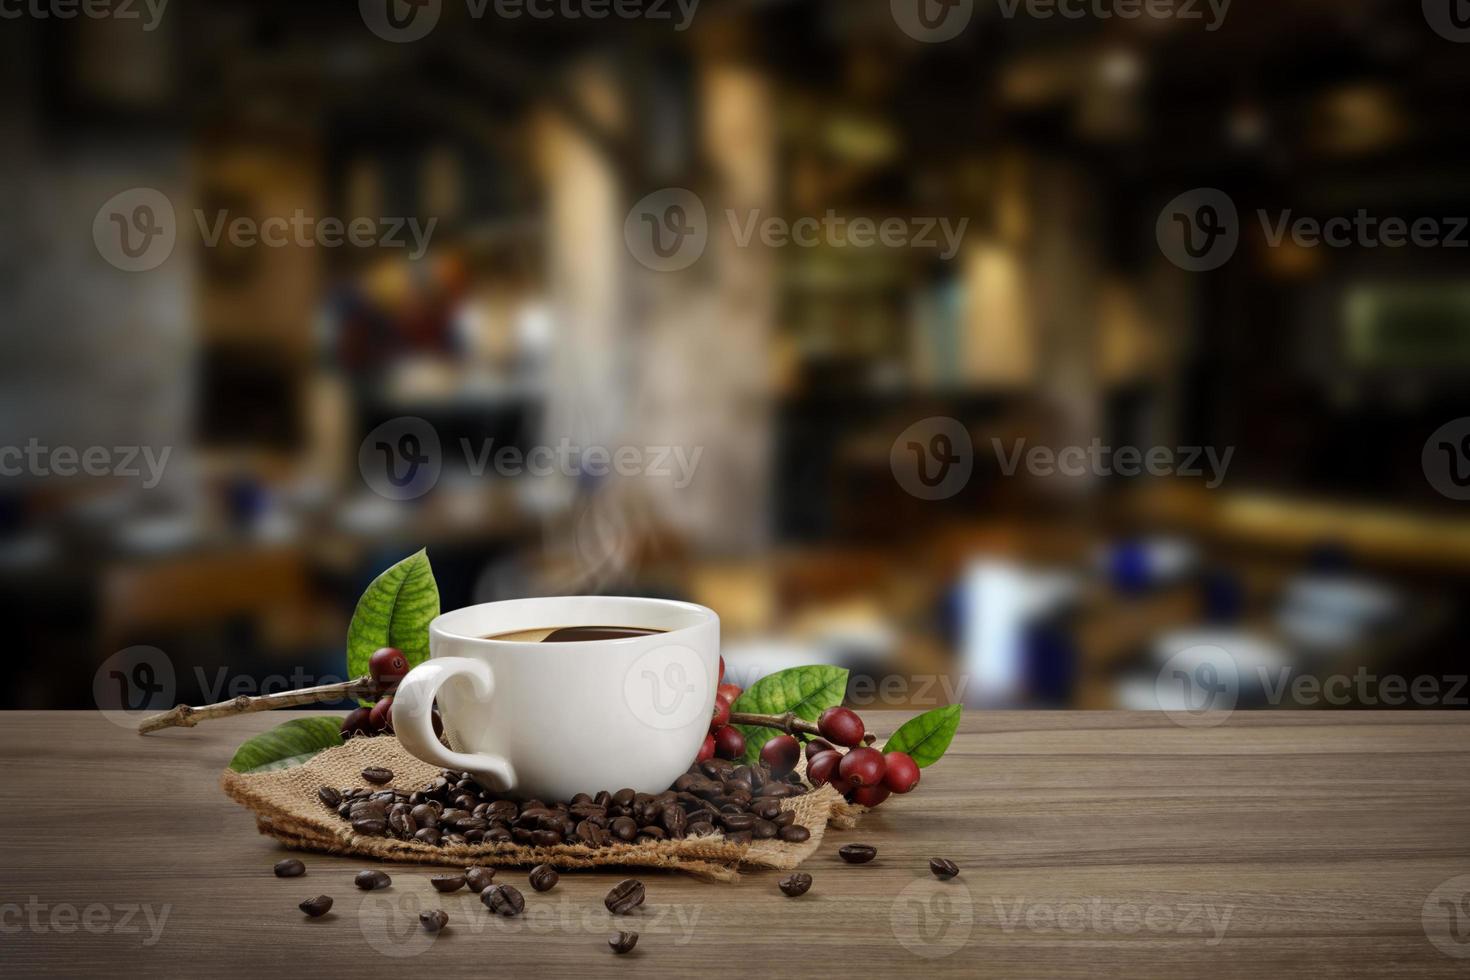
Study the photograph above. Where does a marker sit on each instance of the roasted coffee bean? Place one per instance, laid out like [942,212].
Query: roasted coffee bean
[427,835]
[738,821]
[329,796]
[497,835]
[434,921]
[652,832]
[623,797]
[467,824]
[625,896]
[700,828]
[857,853]
[502,810]
[425,815]
[674,820]
[766,809]
[763,830]
[796,884]
[943,868]
[368,808]
[370,826]
[794,834]
[454,840]
[479,879]
[401,821]
[625,828]
[623,942]
[521,835]
[447,883]
[290,868]
[344,810]
[545,838]
[503,900]
[372,880]
[465,801]
[544,877]
[452,817]
[317,907]
[591,834]
[474,836]
[738,837]
[377,775]
[785,818]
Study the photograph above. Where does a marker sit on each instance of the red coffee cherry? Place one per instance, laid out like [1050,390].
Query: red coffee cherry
[729,693]
[821,768]
[869,795]
[381,715]
[721,716]
[729,743]
[862,767]
[357,723]
[842,726]
[781,754]
[722,671]
[902,774]
[387,666]
[817,746]
[706,750]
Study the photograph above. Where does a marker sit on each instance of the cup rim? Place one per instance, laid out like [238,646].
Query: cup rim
[705,617]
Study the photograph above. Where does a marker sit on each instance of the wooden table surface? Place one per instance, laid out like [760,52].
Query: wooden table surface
[1091,844]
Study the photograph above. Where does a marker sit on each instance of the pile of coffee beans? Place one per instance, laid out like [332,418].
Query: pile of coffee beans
[715,797]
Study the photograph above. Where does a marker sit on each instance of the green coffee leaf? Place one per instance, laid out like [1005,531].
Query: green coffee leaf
[928,736]
[395,611]
[807,691]
[289,744]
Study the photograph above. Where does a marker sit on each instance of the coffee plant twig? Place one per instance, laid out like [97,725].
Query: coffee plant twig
[791,723]
[186,716]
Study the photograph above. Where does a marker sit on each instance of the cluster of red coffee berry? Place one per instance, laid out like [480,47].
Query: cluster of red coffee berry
[861,774]
[386,667]
[724,739]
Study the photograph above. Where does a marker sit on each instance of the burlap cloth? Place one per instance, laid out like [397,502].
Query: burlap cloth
[286,807]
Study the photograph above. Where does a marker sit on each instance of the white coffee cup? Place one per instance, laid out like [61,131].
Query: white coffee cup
[550,720]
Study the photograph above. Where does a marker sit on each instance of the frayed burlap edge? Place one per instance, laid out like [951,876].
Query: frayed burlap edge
[286,808]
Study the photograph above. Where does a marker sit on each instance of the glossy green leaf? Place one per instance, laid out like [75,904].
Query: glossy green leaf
[395,611]
[807,691]
[928,736]
[289,744]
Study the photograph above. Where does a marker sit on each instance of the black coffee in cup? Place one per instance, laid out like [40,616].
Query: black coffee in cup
[573,634]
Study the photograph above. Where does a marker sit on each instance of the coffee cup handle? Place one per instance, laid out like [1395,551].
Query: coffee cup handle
[413,706]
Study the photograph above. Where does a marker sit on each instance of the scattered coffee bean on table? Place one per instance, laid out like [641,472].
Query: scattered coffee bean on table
[503,900]
[447,883]
[378,775]
[623,942]
[372,880]
[317,907]
[434,920]
[796,884]
[625,896]
[943,868]
[544,877]
[290,868]
[479,879]
[857,853]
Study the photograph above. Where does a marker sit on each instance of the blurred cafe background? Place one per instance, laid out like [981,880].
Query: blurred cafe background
[1063,463]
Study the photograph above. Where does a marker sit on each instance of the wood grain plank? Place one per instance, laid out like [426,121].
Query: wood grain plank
[1288,844]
